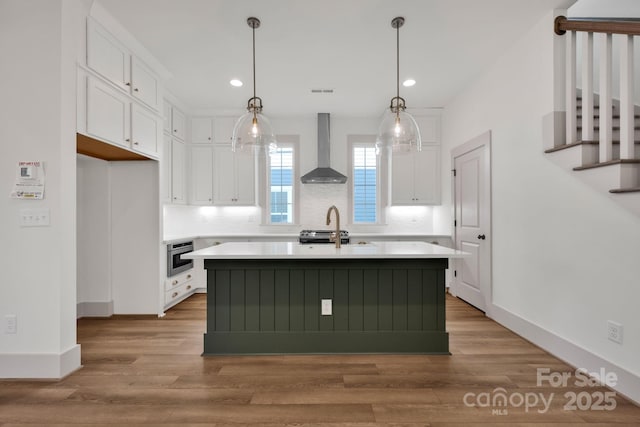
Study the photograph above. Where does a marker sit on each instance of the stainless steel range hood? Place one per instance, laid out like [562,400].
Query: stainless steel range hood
[323,174]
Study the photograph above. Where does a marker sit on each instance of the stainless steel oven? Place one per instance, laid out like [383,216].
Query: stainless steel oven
[175,264]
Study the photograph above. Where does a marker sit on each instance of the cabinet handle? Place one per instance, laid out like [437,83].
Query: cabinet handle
[175,131]
[188,276]
[135,89]
[128,84]
[175,282]
[481,236]
[209,138]
[189,287]
[173,295]
[128,140]
[136,143]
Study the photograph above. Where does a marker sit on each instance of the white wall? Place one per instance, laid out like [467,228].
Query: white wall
[315,199]
[565,258]
[37,82]
[94,232]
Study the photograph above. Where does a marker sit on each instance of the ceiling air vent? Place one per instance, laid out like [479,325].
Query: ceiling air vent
[321,90]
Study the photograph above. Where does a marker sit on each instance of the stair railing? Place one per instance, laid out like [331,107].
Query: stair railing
[626,28]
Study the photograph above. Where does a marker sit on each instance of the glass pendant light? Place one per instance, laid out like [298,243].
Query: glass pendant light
[398,131]
[252,132]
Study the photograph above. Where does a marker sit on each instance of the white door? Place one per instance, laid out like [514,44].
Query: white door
[472,189]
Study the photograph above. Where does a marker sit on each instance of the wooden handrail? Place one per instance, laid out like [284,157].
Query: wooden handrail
[628,26]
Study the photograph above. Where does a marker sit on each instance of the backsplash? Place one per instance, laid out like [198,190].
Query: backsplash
[315,199]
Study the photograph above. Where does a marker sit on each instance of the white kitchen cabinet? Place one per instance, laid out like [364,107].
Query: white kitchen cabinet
[145,130]
[201,175]
[202,130]
[177,288]
[415,177]
[429,128]
[178,124]
[178,169]
[234,177]
[223,129]
[110,58]
[165,176]
[113,118]
[108,113]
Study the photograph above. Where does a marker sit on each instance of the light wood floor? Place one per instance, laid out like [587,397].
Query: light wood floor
[148,371]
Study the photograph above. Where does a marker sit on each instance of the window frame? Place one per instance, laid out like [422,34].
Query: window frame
[285,141]
[368,141]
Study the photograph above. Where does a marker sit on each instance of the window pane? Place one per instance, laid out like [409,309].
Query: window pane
[365,192]
[281,185]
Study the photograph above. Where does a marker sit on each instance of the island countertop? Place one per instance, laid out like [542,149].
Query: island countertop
[294,250]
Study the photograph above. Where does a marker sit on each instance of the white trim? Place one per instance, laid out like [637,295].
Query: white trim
[628,384]
[381,177]
[40,365]
[94,309]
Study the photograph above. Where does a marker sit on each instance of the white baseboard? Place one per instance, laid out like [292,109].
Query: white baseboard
[40,365]
[94,309]
[628,383]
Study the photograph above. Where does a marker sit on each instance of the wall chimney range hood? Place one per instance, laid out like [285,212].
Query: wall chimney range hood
[323,174]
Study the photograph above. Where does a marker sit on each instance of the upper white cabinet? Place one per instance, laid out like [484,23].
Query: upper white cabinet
[165,176]
[201,175]
[429,128]
[178,128]
[112,117]
[234,177]
[178,172]
[223,129]
[108,113]
[415,177]
[202,130]
[113,61]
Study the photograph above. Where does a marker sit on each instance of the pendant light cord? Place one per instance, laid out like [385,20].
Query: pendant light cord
[253,27]
[398,61]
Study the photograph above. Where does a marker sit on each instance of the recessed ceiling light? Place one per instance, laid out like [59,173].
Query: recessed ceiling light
[235,83]
[408,83]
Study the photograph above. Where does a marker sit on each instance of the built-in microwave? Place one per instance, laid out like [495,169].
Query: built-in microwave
[175,263]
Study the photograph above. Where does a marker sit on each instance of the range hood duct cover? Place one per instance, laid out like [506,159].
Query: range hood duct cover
[323,174]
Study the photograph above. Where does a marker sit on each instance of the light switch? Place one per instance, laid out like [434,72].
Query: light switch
[326,307]
[34,217]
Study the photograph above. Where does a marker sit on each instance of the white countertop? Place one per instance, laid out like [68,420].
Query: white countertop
[294,250]
[355,237]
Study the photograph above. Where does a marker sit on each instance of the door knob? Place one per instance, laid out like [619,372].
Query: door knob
[481,236]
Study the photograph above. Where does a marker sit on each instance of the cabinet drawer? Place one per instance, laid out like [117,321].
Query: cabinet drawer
[177,292]
[177,281]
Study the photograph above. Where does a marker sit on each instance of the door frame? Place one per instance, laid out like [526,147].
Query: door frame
[482,140]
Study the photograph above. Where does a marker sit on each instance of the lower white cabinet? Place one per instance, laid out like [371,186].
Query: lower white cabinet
[415,177]
[178,287]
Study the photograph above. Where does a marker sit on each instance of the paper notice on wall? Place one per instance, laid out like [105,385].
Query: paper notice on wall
[29,181]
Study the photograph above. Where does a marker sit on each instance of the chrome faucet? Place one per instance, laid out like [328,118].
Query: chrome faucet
[335,236]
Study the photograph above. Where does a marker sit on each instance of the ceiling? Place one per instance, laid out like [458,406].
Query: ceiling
[348,46]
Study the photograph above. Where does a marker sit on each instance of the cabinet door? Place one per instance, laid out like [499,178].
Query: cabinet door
[178,123]
[201,175]
[427,176]
[145,130]
[429,129]
[165,161]
[144,84]
[201,130]
[166,117]
[402,179]
[224,175]
[107,56]
[223,129]
[245,179]
[108,113]
[178,184]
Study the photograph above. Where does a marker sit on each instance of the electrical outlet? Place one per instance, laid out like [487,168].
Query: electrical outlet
[10,324]
[326,307]
[614,331]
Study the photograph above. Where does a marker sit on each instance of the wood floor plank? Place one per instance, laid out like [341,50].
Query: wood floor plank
[146,371]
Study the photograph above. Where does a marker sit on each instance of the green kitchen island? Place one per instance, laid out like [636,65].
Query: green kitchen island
[282,297]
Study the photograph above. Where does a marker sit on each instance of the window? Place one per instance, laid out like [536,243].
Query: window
[281,185]
[365,183]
